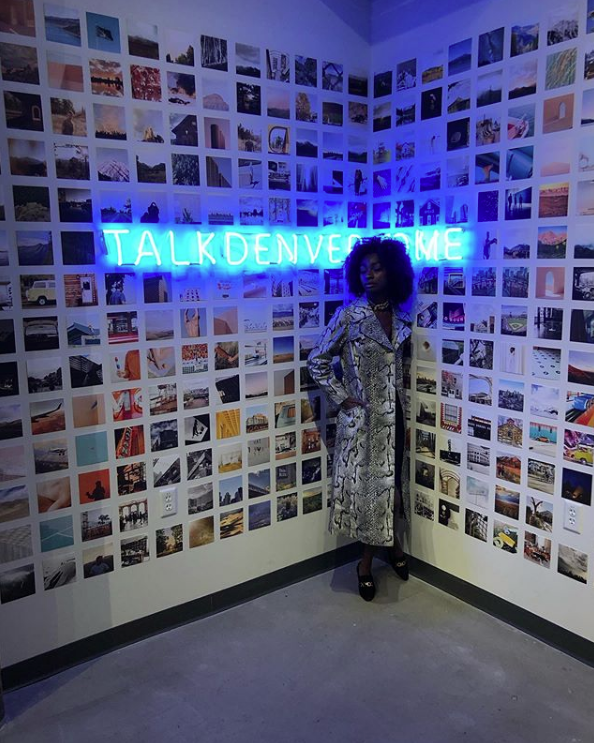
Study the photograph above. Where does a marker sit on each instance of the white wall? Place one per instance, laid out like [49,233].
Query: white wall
[339,32]
[399,33]
[45,619]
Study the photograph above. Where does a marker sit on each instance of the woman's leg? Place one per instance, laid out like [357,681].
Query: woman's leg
[397,556]
[397,552]
[397,549]
[366,559]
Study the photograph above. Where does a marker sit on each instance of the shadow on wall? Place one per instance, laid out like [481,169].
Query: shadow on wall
[389,15]
[354,13]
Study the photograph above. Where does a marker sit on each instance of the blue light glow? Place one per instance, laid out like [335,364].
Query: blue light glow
[434,245]
[183,247]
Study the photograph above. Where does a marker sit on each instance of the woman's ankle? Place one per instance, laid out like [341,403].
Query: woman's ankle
[365,567]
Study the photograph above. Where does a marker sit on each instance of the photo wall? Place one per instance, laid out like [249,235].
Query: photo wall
[493,133]
[155,414]
[150,420]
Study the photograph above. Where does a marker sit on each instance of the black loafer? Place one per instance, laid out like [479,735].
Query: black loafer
[400,566]
[366,586]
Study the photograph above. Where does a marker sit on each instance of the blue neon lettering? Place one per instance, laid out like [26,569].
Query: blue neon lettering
[452,244]
[352,240]
[147,236]
[332,248]
[427,252]
[202,251]
[313,256]
[174,260]
[283,244]
[181,248]
[235,235]
[261,249]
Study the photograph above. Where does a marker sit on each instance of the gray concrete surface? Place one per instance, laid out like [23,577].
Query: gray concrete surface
[313,662]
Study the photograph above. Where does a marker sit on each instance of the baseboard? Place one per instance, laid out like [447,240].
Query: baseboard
[539,628]
[54,661]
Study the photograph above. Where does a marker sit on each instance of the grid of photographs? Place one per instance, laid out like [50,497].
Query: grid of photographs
[160,413]
[144,415]
[493,135]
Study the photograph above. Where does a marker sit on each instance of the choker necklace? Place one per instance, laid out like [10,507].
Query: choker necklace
[380,306]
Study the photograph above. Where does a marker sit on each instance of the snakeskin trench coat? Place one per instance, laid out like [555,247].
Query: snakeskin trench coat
[365,455]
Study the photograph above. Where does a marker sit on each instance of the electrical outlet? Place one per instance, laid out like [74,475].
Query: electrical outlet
[573,517]
[168,502]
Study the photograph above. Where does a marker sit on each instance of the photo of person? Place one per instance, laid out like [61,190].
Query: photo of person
[94,486]
[193,322]
[98,560]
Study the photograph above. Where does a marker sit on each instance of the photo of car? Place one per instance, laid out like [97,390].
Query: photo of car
[581,454]
[41,333]
[42,293]
[578,447]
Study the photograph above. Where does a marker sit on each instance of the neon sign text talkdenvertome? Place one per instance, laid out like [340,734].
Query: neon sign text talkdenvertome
[183,247]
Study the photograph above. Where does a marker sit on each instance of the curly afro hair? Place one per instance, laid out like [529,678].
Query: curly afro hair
[393,257]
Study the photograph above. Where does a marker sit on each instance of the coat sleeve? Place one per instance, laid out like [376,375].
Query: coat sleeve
[319,361]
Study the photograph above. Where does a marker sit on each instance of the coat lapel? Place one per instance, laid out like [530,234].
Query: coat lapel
[371,327]
[400,329]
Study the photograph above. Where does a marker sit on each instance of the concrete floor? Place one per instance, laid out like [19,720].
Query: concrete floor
[313,662]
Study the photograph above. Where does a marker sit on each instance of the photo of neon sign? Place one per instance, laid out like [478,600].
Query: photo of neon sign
[183,247]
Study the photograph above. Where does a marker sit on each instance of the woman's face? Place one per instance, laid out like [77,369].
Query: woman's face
[374,277]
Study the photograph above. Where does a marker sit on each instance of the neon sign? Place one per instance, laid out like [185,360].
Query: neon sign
[431,246]
[183,247]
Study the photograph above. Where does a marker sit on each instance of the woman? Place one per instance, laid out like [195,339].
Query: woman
[371,337]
